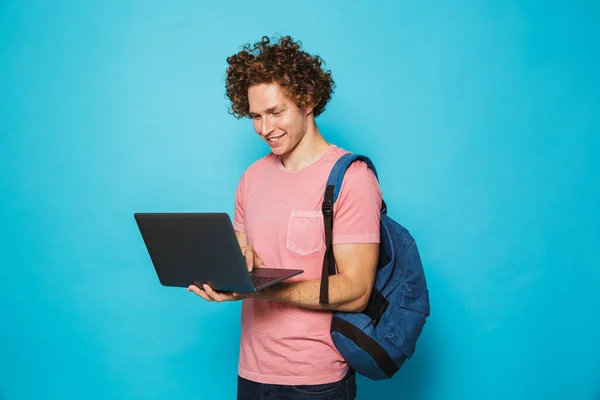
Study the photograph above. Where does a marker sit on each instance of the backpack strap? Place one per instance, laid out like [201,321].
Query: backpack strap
[332,191]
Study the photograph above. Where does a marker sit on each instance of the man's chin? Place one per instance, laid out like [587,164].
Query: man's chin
[278,151]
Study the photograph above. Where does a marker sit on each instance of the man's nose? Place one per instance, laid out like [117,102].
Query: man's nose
[267,126]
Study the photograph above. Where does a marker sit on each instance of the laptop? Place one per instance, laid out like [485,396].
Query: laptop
[199,248]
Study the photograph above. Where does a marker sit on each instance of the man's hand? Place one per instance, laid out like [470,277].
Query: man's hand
[209,294]
[252,259]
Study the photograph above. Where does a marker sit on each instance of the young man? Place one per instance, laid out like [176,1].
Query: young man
[286,349]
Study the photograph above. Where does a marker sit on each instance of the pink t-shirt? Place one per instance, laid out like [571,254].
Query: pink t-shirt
[280,212]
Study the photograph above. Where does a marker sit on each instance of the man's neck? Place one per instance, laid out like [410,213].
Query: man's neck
[312,147]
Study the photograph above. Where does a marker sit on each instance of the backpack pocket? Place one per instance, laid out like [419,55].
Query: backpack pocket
[403,321]
[305,232]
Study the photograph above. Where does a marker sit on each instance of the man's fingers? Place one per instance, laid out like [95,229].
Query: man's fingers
[217,296]
[249,255]
[211,293]
[199,292]
[257,261]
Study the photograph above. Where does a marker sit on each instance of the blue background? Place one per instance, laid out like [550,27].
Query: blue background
[482,118]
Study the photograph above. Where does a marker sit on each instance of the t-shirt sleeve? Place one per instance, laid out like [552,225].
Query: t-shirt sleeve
[357,211]
[240,199]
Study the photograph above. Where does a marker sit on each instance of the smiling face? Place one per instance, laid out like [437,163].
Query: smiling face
[276,118]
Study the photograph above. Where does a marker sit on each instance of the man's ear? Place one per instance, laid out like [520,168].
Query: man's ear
[310,108]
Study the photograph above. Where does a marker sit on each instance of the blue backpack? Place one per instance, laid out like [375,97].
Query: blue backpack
[377,341]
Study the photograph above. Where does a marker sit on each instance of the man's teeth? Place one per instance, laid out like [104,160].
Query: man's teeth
[275,139]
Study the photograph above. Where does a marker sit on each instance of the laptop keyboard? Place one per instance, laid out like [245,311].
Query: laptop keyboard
[261,280]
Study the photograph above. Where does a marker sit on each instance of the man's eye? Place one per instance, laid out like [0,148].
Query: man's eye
[256,117]
[277,113]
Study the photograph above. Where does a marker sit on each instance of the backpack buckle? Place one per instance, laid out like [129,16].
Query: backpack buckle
[327,208]
[376,306]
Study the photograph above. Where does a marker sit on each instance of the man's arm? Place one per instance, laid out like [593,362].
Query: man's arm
[349,289]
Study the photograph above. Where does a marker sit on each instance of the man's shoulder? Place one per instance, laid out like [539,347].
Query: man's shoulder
[358,166]
[258,167]
[333,155]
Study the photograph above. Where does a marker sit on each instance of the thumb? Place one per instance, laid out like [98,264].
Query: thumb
[249,256]
[257,261]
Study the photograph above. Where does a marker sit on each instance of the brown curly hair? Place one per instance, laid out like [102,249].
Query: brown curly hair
[299,74]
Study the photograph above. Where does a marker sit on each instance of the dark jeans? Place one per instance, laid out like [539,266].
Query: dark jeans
[344,389]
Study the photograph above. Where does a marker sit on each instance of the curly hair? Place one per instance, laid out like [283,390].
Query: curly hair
[299,74]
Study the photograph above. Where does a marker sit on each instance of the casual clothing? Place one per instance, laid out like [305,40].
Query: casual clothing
[280,213]
[342,390]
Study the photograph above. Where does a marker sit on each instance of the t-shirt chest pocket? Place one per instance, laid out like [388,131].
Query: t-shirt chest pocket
[305,232]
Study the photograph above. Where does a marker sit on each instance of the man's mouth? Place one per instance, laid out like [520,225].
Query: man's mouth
[275,139]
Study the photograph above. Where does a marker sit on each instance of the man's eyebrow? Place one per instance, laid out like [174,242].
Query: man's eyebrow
[269,110]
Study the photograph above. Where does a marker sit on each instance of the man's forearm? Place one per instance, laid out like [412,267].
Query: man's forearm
[344,294]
